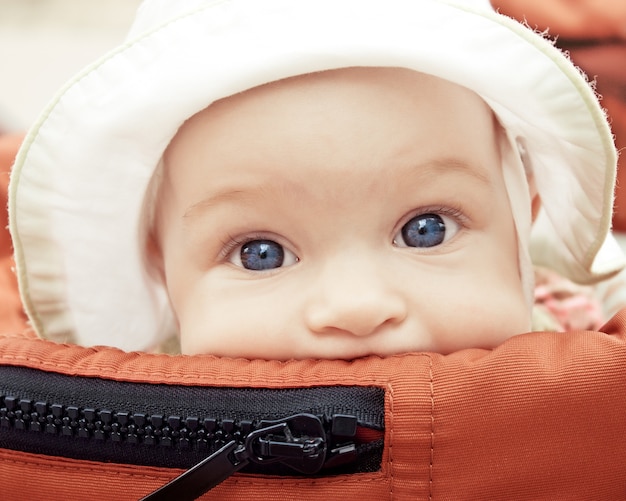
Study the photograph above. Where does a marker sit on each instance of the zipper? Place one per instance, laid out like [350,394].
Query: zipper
[304,442]
[297,431]
[294,441]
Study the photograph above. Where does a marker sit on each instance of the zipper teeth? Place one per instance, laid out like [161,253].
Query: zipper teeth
[137,428]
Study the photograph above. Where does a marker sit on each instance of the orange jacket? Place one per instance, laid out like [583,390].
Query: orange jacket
[541,417]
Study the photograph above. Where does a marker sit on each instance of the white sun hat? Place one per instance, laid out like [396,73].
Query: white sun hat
[79,181]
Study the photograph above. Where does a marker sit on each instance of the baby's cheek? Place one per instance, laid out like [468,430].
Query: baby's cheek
[229,324]
[504,315]
[480,317]
[207,328]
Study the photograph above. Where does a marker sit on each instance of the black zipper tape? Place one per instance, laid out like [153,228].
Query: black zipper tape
[170,425]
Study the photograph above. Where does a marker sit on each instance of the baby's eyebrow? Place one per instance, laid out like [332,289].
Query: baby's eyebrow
[225,196]
[454,164]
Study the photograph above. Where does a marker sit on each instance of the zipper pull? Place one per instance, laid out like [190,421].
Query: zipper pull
[298,442]
[275,442]
[204,476]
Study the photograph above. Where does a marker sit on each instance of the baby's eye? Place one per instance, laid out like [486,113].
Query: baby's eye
[260,255]
[426,230]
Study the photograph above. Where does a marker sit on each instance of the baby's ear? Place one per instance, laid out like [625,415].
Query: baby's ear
[149,228]
[154,257]
[535,199]
[535,206]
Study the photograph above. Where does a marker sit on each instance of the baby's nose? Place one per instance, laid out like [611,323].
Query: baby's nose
[354,298]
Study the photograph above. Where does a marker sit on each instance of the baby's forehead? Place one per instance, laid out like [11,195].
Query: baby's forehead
[341,111]
[329,95]
[397,117]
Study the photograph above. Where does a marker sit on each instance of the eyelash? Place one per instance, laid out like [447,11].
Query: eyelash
[231,243]
[452,212]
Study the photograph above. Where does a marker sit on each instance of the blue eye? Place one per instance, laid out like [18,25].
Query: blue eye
[423,231]
[259,255]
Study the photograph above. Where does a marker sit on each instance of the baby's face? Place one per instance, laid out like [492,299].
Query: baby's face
[338,215]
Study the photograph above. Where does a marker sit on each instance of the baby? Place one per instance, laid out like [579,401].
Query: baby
[312,179]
